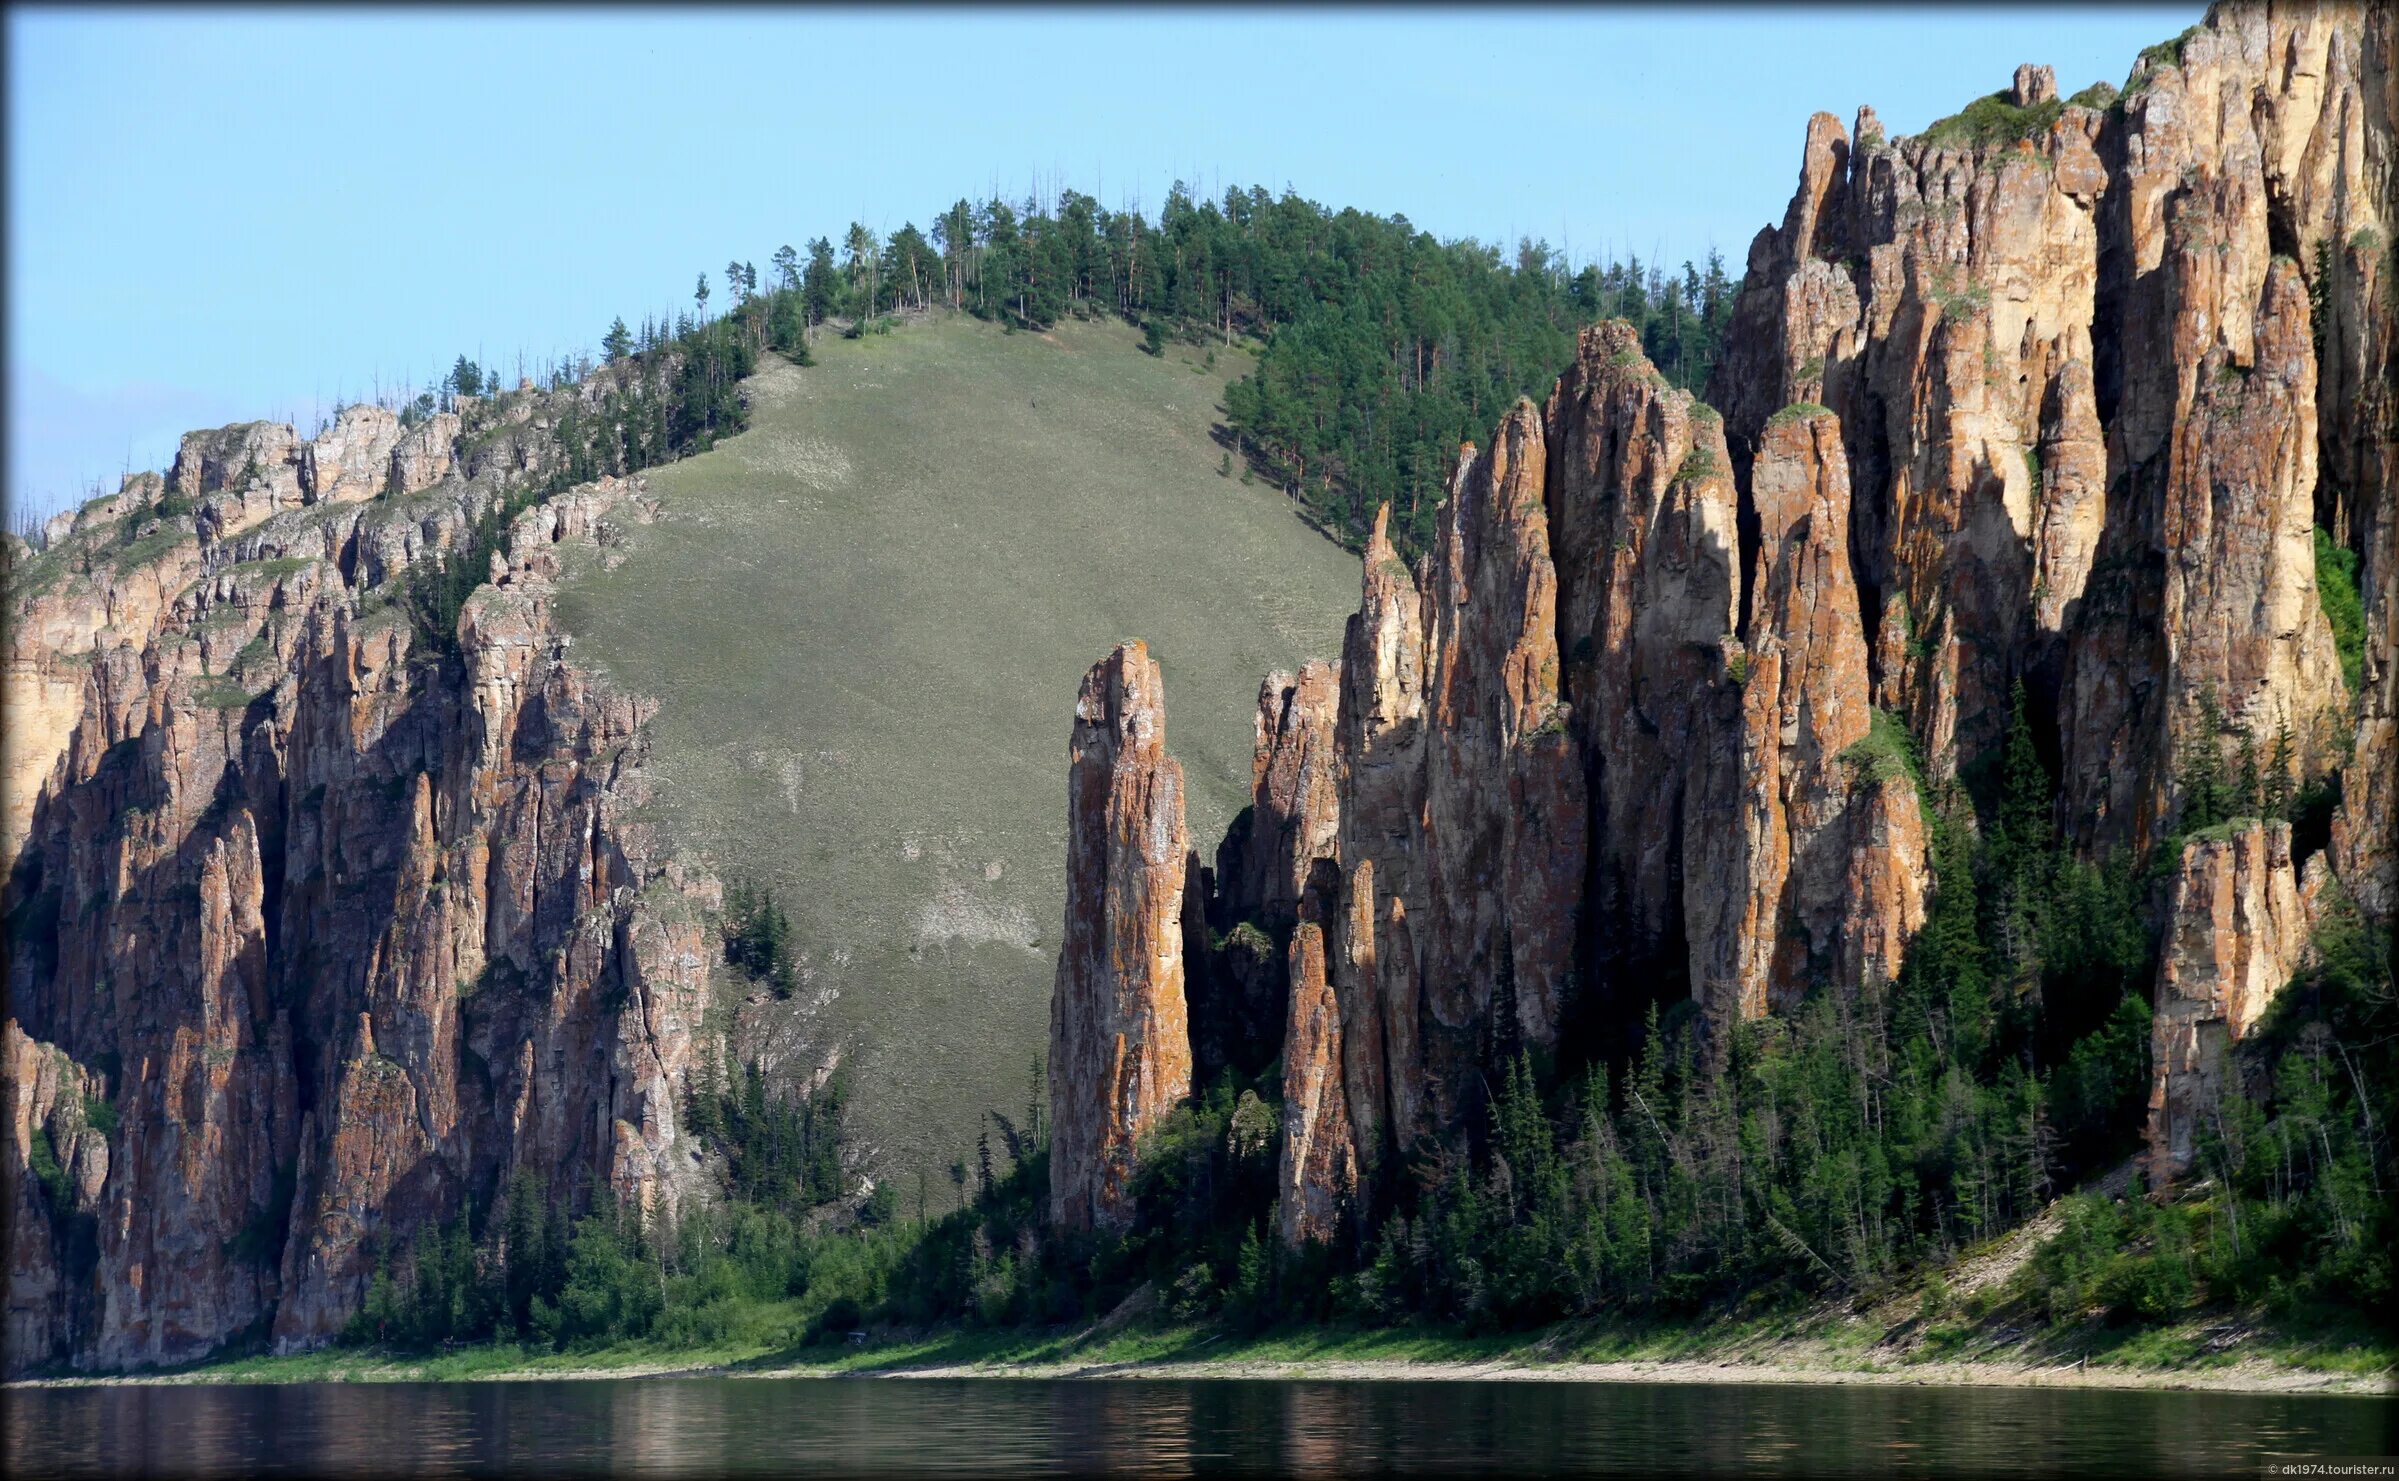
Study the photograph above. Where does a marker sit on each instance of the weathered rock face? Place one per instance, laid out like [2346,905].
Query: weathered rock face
[1775,909]
[2236,929]
[1562,770]
[353,459]
[421,458]
[1319,1170]
[2357,390]
[2055,410]
[50,1100]
[1503,799]
[1644,522]
[2078,388]
[1295,805]
[1381,732]
[1461,812]
[1120,1044]
[341,928]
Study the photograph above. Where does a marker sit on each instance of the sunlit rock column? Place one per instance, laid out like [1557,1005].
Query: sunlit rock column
[1120,1046]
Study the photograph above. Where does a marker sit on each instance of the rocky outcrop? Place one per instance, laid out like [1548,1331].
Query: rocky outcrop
[422,456]
[344,920]
[1120,1044]
[59,1158]
[1776,910]
[352,459]
[2236,930]
[1319,1168]
[2050,396]
[1295,805]
[1454,908]
[2172,310]
[2069,343]
[1273,868]
[238,475]
[2357,392]
[1381,730]
[1562,771]
[1504,813]
[1644,520]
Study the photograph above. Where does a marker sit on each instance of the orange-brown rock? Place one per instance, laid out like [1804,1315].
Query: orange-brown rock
[1295,804]
[1120,1045]
[1775,907]
[2357,391]
[1381,733]
[1504,816]
[352,459]
[1275,867]
[1319,1169]
[1555,775]
[2236,930]
[1644,523]
[50,1099]
[345,931]
[2077,379]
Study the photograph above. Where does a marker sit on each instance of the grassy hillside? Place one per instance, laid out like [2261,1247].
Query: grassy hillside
[865,618]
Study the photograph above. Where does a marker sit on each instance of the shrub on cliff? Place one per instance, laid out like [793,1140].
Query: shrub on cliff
[2336,588]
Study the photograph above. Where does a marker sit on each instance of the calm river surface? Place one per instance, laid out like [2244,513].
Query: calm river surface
[984,1427]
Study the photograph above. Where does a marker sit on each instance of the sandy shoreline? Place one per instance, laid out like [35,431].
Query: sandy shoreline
[2240,1377]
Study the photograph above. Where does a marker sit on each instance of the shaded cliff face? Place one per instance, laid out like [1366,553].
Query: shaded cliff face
[2055,400]
[1809,842]
[1120,1043]
[339,931]
[1644,524]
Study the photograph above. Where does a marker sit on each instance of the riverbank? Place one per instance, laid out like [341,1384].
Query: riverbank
[1827,1350]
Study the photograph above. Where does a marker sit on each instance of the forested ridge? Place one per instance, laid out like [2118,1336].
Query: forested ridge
[1380,348]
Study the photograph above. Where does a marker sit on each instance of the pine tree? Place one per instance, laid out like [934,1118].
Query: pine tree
[2248,789]
[2280,784]
[2023,845]
[2205,796]
[817,284]
[1507,1028]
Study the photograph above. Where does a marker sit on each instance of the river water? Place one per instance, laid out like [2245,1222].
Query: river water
[983,1427]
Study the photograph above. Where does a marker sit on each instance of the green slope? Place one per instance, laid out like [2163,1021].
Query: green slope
[865,618]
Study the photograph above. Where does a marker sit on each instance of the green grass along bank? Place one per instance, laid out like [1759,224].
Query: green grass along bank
[1890,1343]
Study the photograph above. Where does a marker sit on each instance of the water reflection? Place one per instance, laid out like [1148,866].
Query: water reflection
[708,1426]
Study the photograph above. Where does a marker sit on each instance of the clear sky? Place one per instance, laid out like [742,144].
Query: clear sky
[218,216]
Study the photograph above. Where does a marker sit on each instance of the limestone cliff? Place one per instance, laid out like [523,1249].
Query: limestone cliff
[2070,344]
[2052,395]
[322,922]
[1319,1170]
[2101,365]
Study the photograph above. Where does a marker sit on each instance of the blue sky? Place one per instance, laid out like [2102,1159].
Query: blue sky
[216,216]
